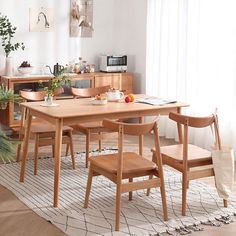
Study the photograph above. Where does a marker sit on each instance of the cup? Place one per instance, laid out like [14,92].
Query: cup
[114,95]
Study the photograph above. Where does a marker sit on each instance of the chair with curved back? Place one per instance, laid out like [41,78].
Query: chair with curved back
[43,132]
[94,131]
[186,157]
[128,165]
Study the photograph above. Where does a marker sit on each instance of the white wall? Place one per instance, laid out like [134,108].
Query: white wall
[119,27]
[130,36]
[57,46]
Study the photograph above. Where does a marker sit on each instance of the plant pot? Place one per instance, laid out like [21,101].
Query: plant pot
[3,105]
[9,66]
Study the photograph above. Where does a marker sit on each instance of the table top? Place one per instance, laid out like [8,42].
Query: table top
[69,108]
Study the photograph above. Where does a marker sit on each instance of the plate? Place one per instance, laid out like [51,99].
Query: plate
[99,102]
[114,100]
[52,105]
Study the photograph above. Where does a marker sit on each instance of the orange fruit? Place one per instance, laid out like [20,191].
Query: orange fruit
[132,97]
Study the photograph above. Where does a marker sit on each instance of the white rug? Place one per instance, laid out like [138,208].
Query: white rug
[141,216]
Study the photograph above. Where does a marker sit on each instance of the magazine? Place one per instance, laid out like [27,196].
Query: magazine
[155,100]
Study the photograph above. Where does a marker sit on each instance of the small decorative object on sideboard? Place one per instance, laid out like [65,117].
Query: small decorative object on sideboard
[83,67]
[25,68]
[7,31]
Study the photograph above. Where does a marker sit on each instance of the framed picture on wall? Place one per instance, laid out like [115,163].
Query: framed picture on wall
[81,18]
[41,19]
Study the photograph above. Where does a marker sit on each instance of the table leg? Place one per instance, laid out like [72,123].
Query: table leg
[25,147]
[57,159]
[179,126]
[141,120]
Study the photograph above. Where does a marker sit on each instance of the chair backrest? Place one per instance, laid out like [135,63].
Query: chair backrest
[135,130]
[33,96]
[129,128]
[196,122]
[89,92]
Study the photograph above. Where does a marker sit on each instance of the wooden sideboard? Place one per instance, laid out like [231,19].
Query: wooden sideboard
[11,116]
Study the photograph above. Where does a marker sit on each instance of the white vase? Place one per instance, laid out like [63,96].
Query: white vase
[2,65]
[9,66]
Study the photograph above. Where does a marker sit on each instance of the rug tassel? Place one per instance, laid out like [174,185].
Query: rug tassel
[225,219]
[212,223]
[195,228]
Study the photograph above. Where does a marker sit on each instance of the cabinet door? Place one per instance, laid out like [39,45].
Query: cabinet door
[110,79]
[127,83]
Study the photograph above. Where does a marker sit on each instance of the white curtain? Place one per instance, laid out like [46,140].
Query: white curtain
[191,57]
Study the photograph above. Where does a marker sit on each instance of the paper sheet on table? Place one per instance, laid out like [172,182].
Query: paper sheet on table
[155,100]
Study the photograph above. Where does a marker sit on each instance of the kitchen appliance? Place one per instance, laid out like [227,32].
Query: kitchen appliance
[113,63]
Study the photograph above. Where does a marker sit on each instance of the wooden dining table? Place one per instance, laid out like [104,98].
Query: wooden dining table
[75,111]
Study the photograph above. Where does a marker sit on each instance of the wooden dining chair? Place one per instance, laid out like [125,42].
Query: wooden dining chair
[94,131]
[42,131]
[128,165]
[188,158]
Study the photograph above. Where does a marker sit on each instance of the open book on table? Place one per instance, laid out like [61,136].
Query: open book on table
[155,100]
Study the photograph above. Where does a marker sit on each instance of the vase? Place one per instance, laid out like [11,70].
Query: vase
[2,65]
[9,66]
[48,100]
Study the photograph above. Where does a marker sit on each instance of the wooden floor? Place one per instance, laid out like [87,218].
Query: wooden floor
[16,219]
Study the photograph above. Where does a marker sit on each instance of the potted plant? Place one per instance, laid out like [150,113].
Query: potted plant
[7,32]
[53,85]
[7,147]
[7,95]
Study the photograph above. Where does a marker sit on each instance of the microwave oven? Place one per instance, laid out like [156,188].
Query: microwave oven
[113,63]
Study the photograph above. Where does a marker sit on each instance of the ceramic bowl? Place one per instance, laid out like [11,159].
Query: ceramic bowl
[25,70]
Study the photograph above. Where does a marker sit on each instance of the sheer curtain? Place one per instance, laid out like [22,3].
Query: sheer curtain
[191,57]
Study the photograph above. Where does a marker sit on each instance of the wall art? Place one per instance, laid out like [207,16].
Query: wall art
[41,19]
[81,18]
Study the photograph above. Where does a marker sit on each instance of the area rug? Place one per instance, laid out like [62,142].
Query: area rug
[141,216]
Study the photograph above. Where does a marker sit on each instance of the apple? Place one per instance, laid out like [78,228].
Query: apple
[132,97]
[128,99]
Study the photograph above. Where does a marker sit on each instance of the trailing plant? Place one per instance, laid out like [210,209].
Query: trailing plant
[7,31]
[57,82]
[7,147]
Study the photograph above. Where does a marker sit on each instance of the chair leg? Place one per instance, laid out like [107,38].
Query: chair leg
[225,203]
[118,206]
[87,148]
[18,153]
[67,149]
[36,154]
[149,190]
[99,143]
[184,193]
[71,145]
[163,195]
[53,151]
[130,193]
[88,188]
[19,148]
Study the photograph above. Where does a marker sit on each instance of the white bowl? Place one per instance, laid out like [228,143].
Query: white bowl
[25,70]
[99,102]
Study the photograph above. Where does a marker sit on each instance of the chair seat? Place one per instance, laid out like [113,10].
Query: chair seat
[47,128]
[175,152]
[93,127]
[90,125]
[132,163]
